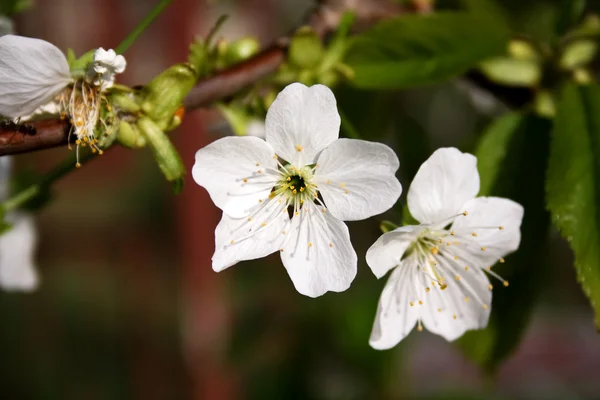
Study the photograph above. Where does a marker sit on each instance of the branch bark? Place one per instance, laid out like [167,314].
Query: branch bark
[53,133]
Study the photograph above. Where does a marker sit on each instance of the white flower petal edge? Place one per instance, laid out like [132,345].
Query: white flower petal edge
[237,172]
[32,72]
[301,122]
[357,178]
[318,254]
[443,184]
[440,279]
[17,248]
[105,65]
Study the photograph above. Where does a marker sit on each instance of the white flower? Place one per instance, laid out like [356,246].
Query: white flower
[17,246]
[105,66]
[440,278]
[297,206]
[32,73]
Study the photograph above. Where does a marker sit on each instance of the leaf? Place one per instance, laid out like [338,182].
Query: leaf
[573,185]
[413,50]
[512,159]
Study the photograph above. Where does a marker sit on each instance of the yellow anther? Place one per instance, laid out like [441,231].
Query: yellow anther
[288,179]
[249,218]
[309,244]
[301,189]
[457,278]
[421,302]
[474,234]
[455,243]
[301,201]
[466,299]
[454,316]
[100,152]
[283,232]
[330,244]
[78,165]
[324,210]
[427,289]
[455,258]
[292,187]
[297,213]
[439,310]
[245,180]
[260,200]
[505,283]
[501,260]
[452,233]
[346,192]
[420,327]
[483,248]
[465,213]
[501,227]
[257,164]
[412,303]
[485,306]
[329,181]
[490,286]
[435,250]
[489,267]
[466,268]
[295,191]
[342,185]
[443,286]
[232,242]
[78,142]
[299,148]
[263,224]
[448,244]
[441,240]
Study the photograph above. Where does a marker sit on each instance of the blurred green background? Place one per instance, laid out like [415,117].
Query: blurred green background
[129,307]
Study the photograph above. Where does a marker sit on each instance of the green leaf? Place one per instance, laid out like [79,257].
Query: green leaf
[573,186]
[512,159]
[491,9]
[492,149]
[413,50]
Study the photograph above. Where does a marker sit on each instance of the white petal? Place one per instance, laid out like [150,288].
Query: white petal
[317,253]
[17,247]
[32,72]
[443,184]
[485,217]
[248,238]
[301,122]
[395,317]
[357,178]
[222,166]
[388,250]
[463,305]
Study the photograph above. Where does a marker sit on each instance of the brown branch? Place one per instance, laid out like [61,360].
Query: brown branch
[53,133]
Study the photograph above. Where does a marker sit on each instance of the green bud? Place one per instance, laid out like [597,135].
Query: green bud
[522,50]
[512,72]
[306,49]
[165,93]
[582,76]
[577,54]
[241,50]
[544,104]
[124,102]
[129,136]
[164,152]
[387,226]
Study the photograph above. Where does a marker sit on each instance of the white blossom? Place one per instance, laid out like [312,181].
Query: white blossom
[105,66]
[291,192]
[17,245]
[439,267]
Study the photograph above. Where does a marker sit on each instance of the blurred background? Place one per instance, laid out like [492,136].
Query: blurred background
[129,307]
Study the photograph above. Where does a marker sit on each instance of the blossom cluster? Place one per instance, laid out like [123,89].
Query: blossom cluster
[291,191]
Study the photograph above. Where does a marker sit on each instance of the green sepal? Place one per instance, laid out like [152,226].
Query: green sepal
[79,66]
[129,136]
[165,93]
[165,153]
[387,226]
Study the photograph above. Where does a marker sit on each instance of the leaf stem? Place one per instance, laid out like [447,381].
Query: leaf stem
[132,37]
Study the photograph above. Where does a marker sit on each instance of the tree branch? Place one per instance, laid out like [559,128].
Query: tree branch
[52,133]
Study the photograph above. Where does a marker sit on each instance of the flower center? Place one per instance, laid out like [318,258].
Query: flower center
[296,187]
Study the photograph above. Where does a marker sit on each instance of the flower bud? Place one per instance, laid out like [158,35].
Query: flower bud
[578,53]
[512,72]
[241,50]
[522,50]
[124,102]
[544,104]
[164,152]
[306,49]
[129,136]
[165,93]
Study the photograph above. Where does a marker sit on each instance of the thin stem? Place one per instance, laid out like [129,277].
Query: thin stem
[34,190]
[132,37]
